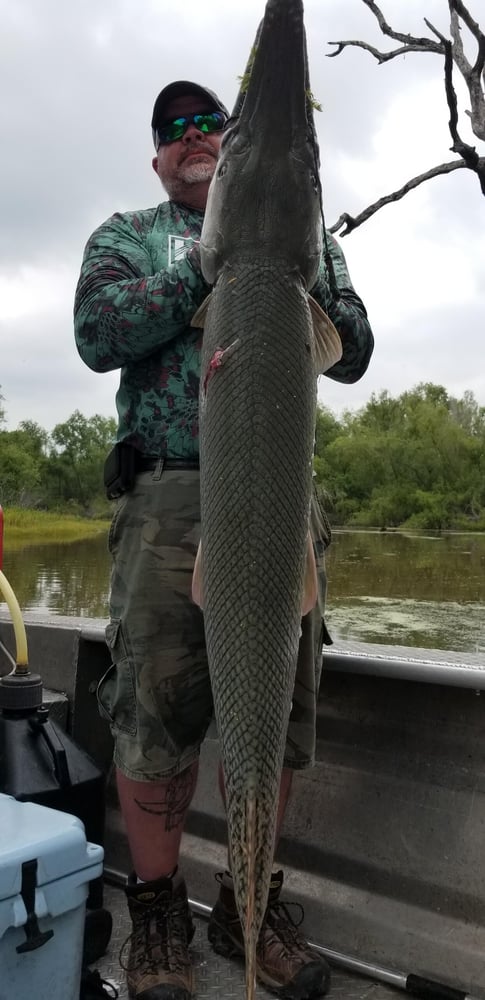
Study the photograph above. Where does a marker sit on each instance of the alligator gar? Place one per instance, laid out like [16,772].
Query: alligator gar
[265,340]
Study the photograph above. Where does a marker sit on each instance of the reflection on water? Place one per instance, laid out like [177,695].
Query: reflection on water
[61,578]
[396,589]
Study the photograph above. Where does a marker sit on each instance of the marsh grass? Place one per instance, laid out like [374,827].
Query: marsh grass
[22,526]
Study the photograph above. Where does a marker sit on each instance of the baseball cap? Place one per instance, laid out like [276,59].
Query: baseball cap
[178,89]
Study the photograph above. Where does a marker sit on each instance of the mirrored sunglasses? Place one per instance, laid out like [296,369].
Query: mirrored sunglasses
[211,121]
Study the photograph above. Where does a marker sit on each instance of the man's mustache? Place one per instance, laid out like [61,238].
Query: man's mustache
[200,147]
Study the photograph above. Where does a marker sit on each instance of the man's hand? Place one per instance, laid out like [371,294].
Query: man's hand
[193,258]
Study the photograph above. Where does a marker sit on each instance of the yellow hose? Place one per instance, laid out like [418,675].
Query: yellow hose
[18,625]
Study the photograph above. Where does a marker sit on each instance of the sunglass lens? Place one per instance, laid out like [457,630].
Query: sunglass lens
[212,121]
[172,130]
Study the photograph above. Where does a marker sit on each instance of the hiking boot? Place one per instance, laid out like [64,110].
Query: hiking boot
[285,963]
[92,987]
[158,965]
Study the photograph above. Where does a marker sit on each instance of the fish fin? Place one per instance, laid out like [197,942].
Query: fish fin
[310,588]
[250,973]
[250,932]
[197,579]
[328,346]
[200,316]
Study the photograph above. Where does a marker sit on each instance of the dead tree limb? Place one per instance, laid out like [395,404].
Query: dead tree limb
[409,42]
[474,76]
[468,153]
[352,222]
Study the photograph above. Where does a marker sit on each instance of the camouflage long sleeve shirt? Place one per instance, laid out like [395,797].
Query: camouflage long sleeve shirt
[140,285]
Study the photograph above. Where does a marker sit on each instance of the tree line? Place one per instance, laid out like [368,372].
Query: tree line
[61,470]
[416,460]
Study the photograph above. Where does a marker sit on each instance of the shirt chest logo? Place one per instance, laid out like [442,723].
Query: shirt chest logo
[178,248]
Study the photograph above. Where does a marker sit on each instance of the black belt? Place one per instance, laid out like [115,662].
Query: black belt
[148,463]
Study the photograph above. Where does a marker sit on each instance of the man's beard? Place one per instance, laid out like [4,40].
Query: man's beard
[189,174]
[196,173]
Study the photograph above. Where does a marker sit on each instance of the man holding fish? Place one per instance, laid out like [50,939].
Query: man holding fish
[141,285]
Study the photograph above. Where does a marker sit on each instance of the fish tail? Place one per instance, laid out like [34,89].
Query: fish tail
[250,931]
[250,971]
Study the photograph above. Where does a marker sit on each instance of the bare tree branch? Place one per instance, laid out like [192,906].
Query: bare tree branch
[436,32]
[461,10]
[409,42]
[398,36]
[467,152]
[382,57]
[454,54]
[473,75]
[352,222]
[459,53]
[451,96]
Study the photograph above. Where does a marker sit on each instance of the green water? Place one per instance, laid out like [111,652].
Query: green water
[410,590]
[397,589]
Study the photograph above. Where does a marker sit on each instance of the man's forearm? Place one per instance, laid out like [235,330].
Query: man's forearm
[349,316]
[350,320]
[120,319]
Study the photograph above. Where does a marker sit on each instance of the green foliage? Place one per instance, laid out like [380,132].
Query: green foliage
[44,526]
[62,470]
[79,448]
[417,460]
[245,78]
[19,471]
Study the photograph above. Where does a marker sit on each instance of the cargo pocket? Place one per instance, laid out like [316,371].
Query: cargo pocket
[320,523]
[321,534]
[116,689]
[113,535]
[325,637]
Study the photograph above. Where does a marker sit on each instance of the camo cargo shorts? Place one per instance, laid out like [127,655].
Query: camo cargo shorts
[156,693]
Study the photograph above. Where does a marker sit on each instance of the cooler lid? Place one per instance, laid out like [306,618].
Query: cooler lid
[56,840]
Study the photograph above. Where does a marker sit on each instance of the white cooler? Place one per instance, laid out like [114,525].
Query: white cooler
[45,867]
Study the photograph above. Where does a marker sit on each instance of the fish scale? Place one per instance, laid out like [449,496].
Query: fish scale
[257,419]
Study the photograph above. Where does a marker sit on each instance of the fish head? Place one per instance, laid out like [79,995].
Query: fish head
[265,197]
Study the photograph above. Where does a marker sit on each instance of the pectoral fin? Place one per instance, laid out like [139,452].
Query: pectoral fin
[310,587]
[328,346]
[197,579]
[200,316]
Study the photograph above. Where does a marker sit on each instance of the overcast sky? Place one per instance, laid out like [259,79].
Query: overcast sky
[78,83]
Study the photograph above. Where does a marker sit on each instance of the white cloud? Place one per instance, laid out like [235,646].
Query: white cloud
[34,291]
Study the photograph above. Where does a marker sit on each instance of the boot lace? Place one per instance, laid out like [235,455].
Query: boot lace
[159,939]
[281,926]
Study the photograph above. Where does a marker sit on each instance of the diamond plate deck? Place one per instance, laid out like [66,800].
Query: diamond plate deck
[216,977]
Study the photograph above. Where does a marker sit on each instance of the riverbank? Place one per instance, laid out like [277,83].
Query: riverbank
[23,526]
[39,527]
